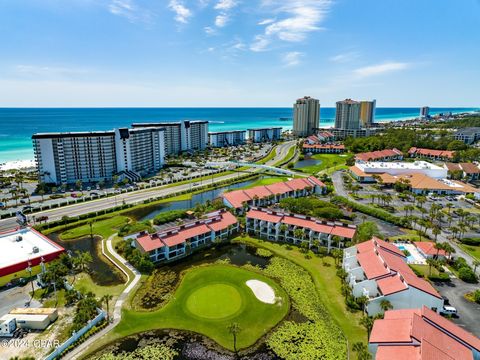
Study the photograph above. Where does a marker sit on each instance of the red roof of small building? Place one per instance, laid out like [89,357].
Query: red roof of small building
[431,152]
[315,181]
[298,184]
[258,191]
[344,231]
[372,265]
[149,243]
[278,188]
[263,215]
[432,336]
[391,285]
[225,220]
[378,155]
[236,198]
[324,146]
[428,247]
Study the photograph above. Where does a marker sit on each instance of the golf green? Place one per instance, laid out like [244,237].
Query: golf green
[208,300]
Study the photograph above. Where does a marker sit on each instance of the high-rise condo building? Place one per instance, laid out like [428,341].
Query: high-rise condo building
[367,113]
[64,158]
[347,115]
[306,116]
[424,112]
[227,138]
[181,136]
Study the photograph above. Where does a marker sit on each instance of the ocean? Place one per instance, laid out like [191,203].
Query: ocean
[18,124]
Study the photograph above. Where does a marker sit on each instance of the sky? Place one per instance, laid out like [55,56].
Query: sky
[239,53]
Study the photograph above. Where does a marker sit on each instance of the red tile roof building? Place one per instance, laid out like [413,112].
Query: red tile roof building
[431,153]
[263,195]
[282,226]
[171,243]
[378,270]
[421,334]
[468,170]
[427,249]
[323,148]
[382,155]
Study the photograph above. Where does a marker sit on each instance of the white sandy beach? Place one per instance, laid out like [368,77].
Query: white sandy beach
[17,164]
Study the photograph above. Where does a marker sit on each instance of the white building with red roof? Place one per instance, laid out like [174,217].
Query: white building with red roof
[281,227]
[332,148]
[172,243]
[431,153]
[270,194]
[420,334]
[378,270]
[428,250]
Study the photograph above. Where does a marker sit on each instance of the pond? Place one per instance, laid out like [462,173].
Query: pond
[102,273]
[307,162]
[197,198]
[191,346]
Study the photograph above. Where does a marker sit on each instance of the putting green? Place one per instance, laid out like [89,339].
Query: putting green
[215,301]
[207,301]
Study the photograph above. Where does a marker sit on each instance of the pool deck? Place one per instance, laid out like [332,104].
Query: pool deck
[415,256]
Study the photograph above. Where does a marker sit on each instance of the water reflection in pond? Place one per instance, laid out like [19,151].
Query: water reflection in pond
[102,273]
[307,162]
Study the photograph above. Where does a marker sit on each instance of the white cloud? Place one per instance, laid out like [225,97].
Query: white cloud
[380,69]
[266,22]
[292,58]
[40,71]
[296,18]
[221,20]
[344,58]
[129,10]
[225,5]
[182,13]
[260,43]
[209,30]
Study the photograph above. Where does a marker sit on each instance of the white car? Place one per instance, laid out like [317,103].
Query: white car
[448,310]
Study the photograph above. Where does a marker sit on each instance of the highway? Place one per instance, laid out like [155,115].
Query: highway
[137,196]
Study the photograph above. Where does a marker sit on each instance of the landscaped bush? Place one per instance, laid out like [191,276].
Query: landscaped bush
[156,290]
[476,296]
[135,227]
[147,352]
[471,241]
[313,207]
[466,274]
[366,230]
[140,261]
[318,338]
[169,216]
[441,277]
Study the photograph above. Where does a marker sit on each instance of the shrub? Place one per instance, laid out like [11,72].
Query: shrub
[466,274]
[169,216]
[471,241]
[476,296]
[441,277]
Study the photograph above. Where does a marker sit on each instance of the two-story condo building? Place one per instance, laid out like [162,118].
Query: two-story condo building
[283,227]
[420,334]
[378,270]
[175,242]
[273,193]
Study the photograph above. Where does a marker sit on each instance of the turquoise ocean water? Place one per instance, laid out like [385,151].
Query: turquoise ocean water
[17,125]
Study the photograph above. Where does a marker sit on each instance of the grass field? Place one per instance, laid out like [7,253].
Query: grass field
[104,228]
[424,270]
[265,181]
[269,157]
[20,274]
[84,283]
[472,250]
[328,161]
[323,273]
[208,300]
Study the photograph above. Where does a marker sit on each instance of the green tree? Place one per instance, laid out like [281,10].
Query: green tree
[367,323]
[106,300]
[234,329]
[386,305]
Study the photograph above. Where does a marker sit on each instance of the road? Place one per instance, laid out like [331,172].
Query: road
[136,196]
[442,237]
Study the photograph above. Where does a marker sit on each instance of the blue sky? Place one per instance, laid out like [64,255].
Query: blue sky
[238,52]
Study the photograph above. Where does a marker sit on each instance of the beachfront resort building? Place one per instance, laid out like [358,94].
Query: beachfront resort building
[306,116]
[182,135]
[347,115]
[420,334]
[177,241]
[64,158]
[265,134]
[424,112]
[297,229]
[24,248]
[378,270]
[442,155]
[468,135]
[273,193]
[227,138]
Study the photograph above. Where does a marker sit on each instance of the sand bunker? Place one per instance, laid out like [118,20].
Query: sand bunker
[262,291]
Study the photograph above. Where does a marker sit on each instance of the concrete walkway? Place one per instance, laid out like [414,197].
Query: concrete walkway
[117,311]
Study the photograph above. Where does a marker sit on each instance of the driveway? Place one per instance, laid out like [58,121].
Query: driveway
[467,311]
[16,298]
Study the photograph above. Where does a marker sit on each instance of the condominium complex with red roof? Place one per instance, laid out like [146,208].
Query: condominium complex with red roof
[378,270]
[282,226]
[269,194]
[173,242]
[332,148]
[382,155]
[431,153]
[469,171]
[428,250]
[420,334]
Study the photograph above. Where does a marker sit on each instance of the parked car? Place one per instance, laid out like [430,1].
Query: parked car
[73,195]
[445,300]
[2,205]
[23,201]
[449,310]
[28,207]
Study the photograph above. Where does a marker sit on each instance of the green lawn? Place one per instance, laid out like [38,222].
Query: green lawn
[104,228]
[290,154]
[269,157]
[329,162]
[471,250]
[20,274]
[84,283]
[327,283]
[209,299]
[424,270]
[265,181]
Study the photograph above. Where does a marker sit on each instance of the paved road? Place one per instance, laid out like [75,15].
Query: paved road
[340,190]
[117,311]
[136,196]
[468,312]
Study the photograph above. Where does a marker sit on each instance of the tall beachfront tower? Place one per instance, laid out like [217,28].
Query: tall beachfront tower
[347,115]
[424,112]
[306,116]
[367,113]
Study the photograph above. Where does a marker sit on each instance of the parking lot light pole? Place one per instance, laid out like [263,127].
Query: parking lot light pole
[29,269]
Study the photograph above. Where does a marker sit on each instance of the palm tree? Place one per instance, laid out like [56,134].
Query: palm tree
[106,299]
[449,249]
[436,231]
[234,329]
[90,224]
[283,230]
[475,264]
[386,305]
[367,322]
[430,263]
